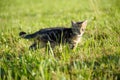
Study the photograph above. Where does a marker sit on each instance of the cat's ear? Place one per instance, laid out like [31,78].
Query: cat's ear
[84,24]
[73,23]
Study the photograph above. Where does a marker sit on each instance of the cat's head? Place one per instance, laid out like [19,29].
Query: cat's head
[79,27]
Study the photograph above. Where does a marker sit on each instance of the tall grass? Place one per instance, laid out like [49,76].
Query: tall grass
[97,57]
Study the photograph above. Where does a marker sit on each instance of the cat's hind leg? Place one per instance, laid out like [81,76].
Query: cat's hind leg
[33,46]
[50,47]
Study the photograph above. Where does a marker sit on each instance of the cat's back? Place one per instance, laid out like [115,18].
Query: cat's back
[55,34]
[56,29]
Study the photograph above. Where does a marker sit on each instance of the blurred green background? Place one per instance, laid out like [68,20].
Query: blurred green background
[97,57]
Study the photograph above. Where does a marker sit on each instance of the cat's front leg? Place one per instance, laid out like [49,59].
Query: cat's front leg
[72,45]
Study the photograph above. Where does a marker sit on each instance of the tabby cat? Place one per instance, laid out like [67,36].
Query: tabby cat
[56,36]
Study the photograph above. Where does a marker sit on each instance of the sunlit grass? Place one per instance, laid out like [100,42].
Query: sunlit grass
[97,57]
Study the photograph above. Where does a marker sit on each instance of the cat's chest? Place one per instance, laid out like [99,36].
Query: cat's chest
[76,39]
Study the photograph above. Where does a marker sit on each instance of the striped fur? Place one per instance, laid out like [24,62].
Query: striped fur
[57,36]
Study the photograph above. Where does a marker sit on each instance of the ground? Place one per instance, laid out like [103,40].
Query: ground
[97,57]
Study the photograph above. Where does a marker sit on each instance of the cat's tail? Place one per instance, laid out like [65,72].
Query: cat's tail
[27,36]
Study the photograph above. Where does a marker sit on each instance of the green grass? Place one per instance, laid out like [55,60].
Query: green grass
[97,57]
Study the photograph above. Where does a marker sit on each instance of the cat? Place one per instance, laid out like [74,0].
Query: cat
[56,36]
